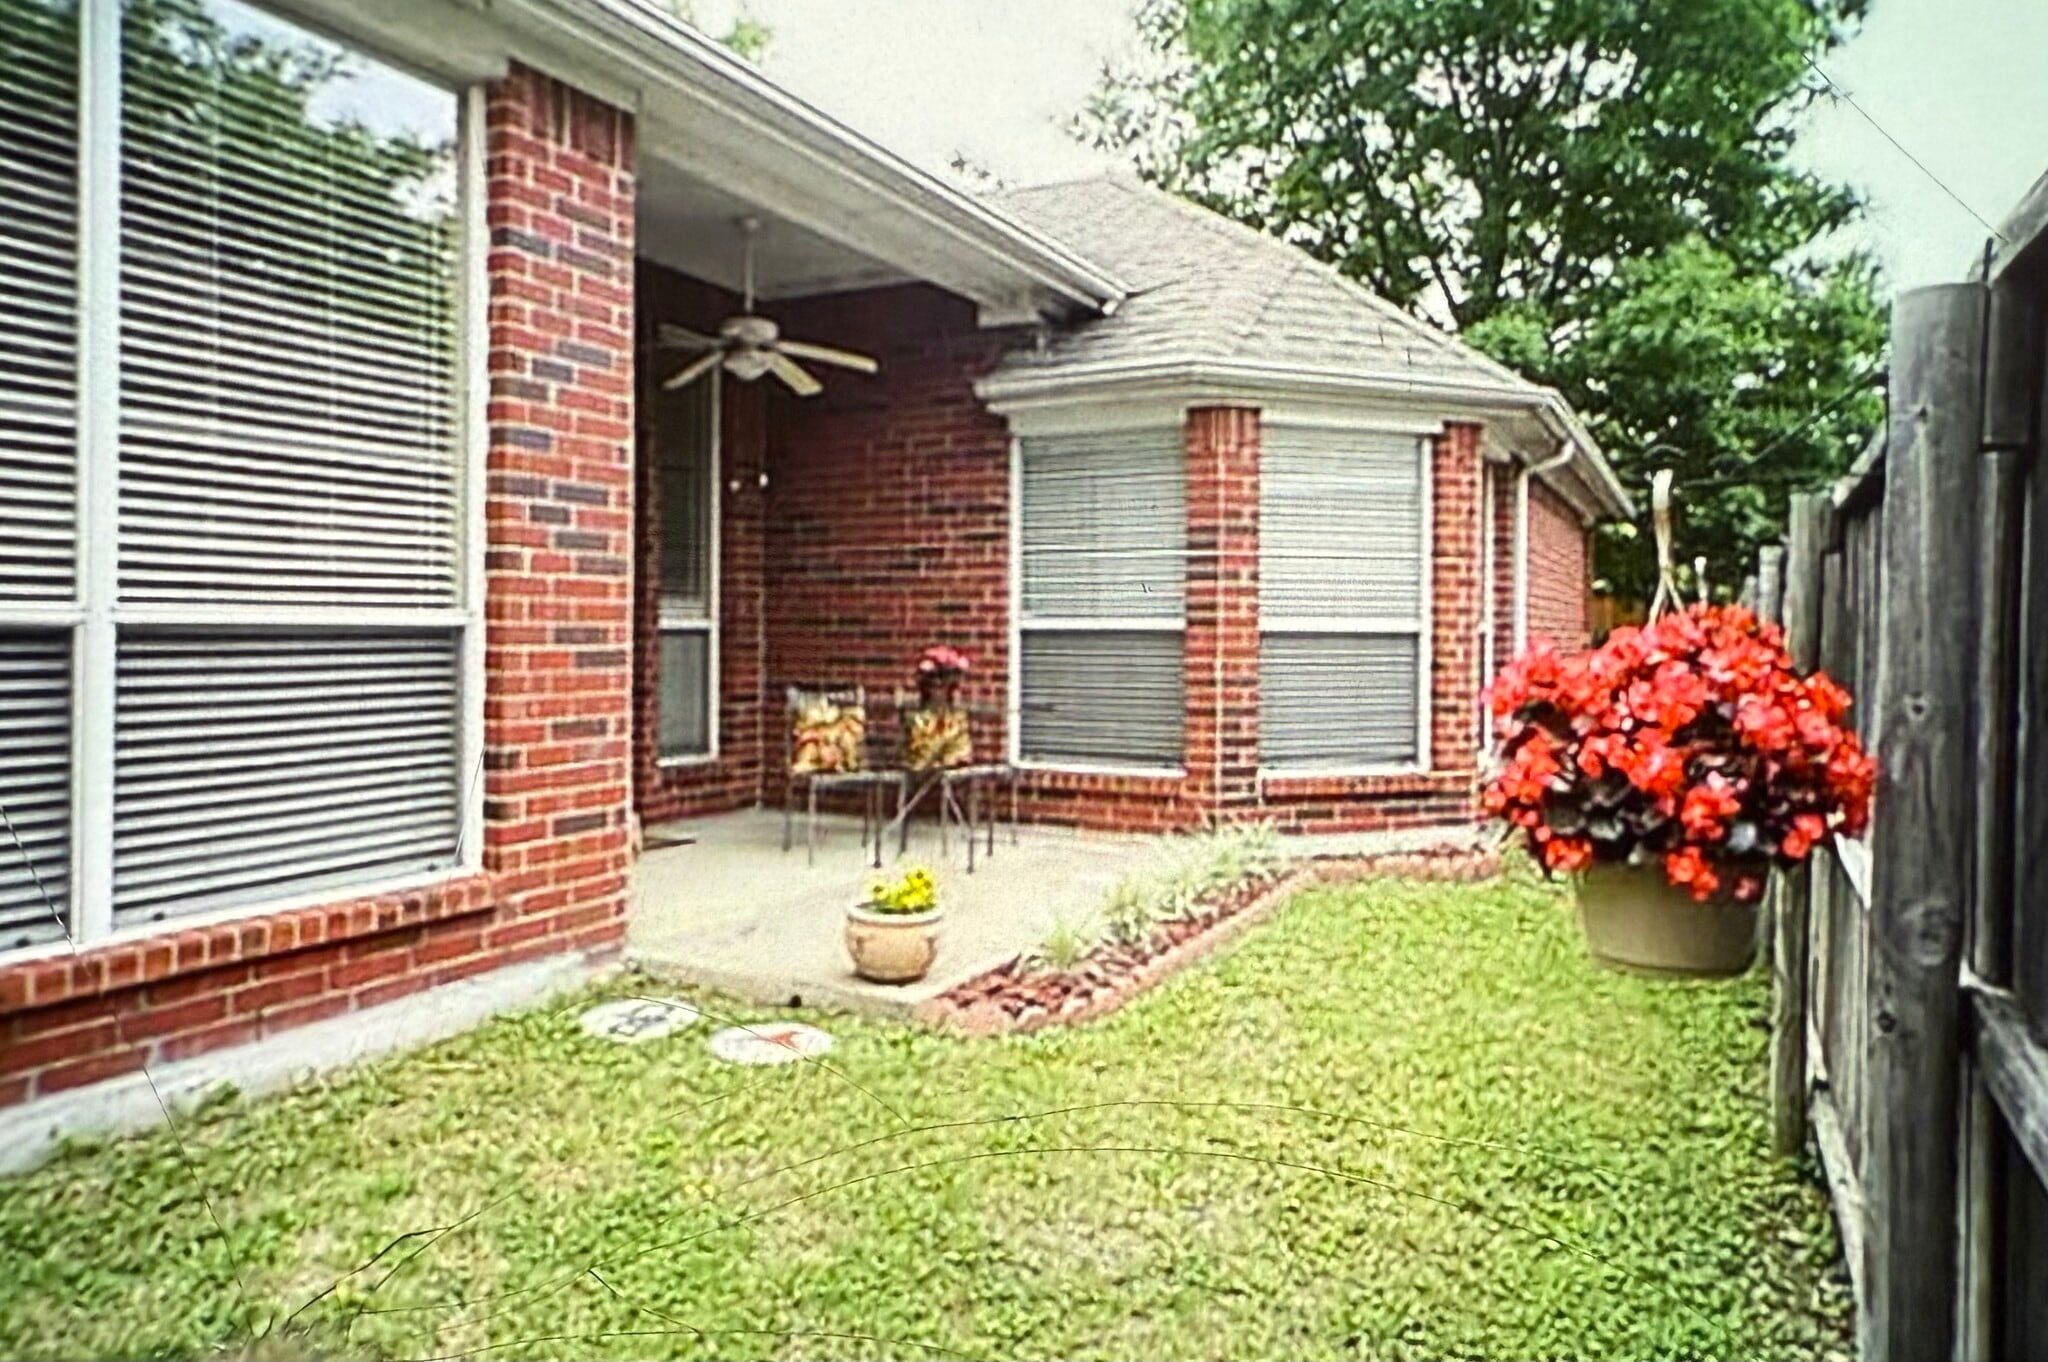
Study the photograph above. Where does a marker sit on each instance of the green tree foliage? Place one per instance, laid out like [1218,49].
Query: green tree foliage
[1596,191]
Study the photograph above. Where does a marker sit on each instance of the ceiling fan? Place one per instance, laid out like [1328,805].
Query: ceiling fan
[748,346]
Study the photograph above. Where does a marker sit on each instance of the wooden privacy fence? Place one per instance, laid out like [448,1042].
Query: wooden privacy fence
[1910,969]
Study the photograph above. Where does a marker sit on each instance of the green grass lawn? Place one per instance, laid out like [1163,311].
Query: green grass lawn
[1397,1120]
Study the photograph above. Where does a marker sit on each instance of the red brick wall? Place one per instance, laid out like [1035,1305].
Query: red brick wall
[1222,676]
[557,727]
[1559,570]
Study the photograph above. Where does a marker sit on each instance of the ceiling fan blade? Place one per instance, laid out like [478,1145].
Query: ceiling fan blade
[683,338]
[790,372]
[694,370]
[825,354]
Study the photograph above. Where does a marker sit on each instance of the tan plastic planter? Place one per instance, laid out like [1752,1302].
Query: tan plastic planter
[892,948]
[1634,920]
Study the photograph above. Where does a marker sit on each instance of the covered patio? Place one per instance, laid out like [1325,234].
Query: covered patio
[718,903]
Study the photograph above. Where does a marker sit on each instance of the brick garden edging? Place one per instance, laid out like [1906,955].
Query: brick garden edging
[1013,998]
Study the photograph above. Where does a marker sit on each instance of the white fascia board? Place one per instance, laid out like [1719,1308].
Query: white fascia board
[1200,382]
[668,57]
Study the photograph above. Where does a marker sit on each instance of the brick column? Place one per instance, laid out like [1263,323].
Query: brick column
[1222,676]
[558,694]
[1457,521]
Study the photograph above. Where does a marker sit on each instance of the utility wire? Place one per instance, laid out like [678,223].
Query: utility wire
[1836,91]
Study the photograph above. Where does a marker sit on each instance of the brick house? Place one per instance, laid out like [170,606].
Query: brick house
[360,582]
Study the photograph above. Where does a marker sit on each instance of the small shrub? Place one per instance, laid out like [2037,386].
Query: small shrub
[1128,914]
[1062,947]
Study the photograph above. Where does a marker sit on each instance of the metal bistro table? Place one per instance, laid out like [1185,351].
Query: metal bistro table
[974,813]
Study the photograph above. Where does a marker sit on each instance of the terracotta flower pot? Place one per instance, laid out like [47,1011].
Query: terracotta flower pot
[1635,921]
[892,948]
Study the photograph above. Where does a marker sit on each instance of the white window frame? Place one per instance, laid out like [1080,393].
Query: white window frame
[1019,624]
[1421,628]
[95,617]
[675,620]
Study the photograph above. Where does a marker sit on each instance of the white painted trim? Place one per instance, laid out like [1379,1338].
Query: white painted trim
[1101,768]
[710,624]
[1013,684]
[1369,771]
[1363,417]
[1347,624]
[1069,624]
[1095,415]
[31,1133]
[98,488]
[1425,649]
[436,619]
[23,615]
[472,193]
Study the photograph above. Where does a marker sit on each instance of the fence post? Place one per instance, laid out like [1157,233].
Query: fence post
[1921,841]
[1800,607]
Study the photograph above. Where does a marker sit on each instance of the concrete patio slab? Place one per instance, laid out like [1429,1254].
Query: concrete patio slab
[732,911]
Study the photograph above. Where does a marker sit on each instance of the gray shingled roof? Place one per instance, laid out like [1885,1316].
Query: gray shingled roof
[1207,289]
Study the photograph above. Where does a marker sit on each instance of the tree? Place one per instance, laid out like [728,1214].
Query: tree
[1542,176]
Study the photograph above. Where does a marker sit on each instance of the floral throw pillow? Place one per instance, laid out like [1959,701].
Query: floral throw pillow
[937,738]
[829,737]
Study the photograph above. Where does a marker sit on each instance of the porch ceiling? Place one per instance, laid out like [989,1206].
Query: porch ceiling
[688,224]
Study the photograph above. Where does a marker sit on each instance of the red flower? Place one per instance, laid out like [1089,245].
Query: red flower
[1688,869]
[1703,717]
[1708,807]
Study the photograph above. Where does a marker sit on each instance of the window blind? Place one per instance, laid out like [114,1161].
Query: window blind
[687,491]
[288,337]
[1102,530]
[1343,583]
[35,785]
[252,765]
[38,301]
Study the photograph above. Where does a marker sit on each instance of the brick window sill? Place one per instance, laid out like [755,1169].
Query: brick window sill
[1366,787]
[130,962]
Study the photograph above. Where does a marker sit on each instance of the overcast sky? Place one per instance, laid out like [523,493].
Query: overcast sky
[1962,83]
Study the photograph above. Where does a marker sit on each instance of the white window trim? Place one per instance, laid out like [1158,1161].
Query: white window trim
[1423,627]
[710,625]
[95,615]
[1013,704]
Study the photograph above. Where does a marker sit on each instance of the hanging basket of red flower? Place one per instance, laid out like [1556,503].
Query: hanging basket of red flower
[1669,770]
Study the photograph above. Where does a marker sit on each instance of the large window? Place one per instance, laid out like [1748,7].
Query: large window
[686,454]
[1102,531]
[236,592]
[1343,592]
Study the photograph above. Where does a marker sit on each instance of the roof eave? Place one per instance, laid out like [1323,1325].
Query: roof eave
[665,49]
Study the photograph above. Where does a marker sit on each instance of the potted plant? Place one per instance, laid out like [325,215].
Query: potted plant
[936,733]
[1669,770]
[892,935]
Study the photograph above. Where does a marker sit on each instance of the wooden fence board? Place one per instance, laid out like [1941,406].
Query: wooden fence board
[1921,842]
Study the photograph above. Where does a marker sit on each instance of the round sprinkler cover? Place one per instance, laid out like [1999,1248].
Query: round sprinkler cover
[631,1020]
[769,1043]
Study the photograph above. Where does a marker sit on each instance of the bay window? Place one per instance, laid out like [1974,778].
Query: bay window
[238,578]
[1343,599]
[1102,565]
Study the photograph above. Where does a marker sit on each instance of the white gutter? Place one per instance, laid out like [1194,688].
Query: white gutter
[660,48]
